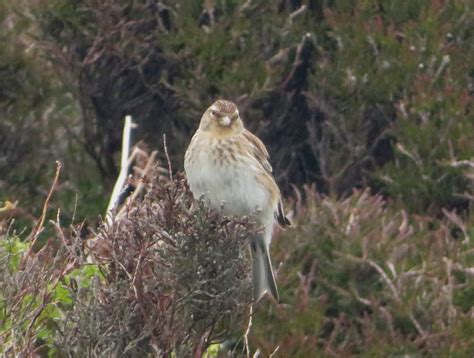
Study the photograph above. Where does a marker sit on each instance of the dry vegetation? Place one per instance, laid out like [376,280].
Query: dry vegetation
[170,277]
[361,276]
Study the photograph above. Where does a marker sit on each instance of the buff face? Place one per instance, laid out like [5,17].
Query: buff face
[221,116]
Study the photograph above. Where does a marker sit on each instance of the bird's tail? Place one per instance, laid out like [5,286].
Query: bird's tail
[262,271]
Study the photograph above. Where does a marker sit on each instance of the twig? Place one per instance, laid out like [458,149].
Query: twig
[301,63]
[135,273]
[298,12]
[37,229]
[140,185]
[377,268]
[444,62]
[461,163]
[386,314]
[274,352]
[146,170]
[247,332]
[417,325]
[123,166]
[167,157]
[386,279]
[246,6]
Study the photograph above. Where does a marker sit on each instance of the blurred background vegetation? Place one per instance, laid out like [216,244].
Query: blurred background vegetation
[365,107]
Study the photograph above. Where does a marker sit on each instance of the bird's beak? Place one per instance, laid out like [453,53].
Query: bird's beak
[226,121]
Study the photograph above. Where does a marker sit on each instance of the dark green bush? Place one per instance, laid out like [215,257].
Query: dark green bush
[345,95]
[39,123]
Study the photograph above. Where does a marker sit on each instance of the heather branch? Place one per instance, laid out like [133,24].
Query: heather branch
[247,332]
[39,226]
[381,272]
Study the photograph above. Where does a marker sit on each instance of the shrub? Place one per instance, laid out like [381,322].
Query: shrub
[359,276]
[39,124]
[346,95]
[173,278]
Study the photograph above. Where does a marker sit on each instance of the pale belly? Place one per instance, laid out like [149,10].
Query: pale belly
[232,188]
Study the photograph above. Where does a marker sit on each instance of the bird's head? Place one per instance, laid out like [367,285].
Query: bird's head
[222,117]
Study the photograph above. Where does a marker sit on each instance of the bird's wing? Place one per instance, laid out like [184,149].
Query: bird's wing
[280,216]
[259,151]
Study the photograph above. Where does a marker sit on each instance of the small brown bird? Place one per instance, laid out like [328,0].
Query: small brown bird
[228,166]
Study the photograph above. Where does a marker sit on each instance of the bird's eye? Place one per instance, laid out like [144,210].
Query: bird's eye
[213,113]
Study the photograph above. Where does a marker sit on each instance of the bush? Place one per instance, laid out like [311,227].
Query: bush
[172,279]
[39,124]
[359,276]
[345,95]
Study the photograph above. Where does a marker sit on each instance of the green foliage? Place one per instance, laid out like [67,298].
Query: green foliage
[415,58]
[29,298]
[39,123]
[345,94]
[24,90]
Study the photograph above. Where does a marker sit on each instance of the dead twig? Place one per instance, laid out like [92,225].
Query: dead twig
[34,234]
[247,332]
[167,157]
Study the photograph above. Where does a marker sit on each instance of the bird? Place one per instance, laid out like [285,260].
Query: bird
[228,166]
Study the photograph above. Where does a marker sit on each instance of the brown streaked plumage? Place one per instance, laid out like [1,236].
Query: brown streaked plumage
[225,107]
[230,167]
